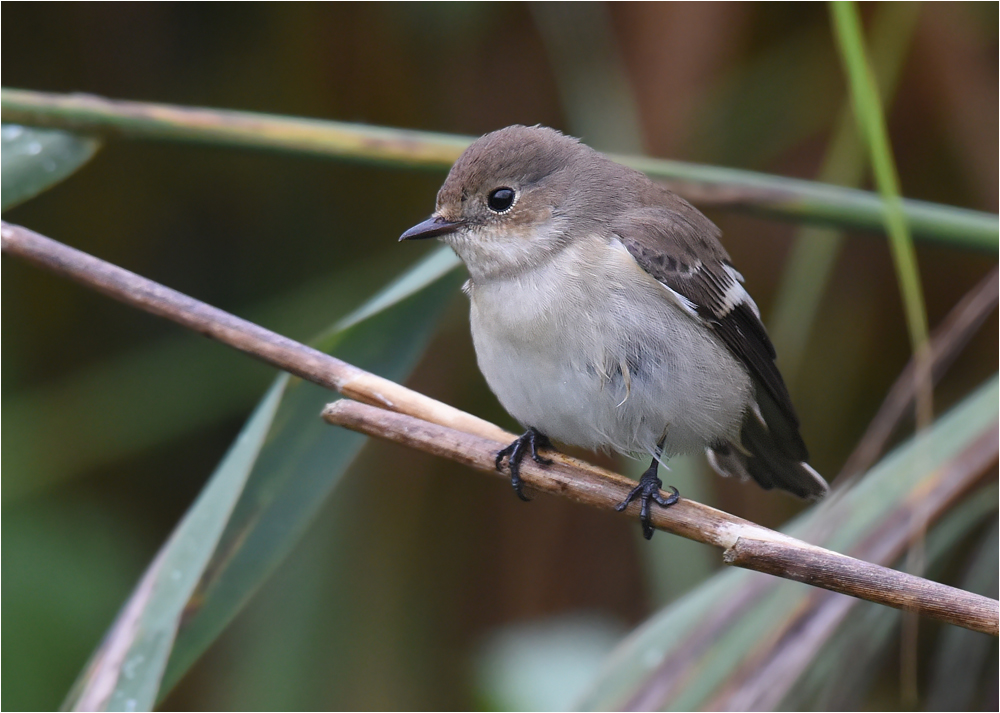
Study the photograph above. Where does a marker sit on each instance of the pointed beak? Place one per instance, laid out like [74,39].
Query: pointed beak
[433,227]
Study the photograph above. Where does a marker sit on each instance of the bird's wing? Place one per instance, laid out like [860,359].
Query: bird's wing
[679,247]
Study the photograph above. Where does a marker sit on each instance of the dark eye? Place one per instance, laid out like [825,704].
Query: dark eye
[501,199]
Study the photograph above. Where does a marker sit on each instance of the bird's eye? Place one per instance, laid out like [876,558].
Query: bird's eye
[501,199]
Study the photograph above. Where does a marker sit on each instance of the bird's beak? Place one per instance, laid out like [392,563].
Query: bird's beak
[433,227]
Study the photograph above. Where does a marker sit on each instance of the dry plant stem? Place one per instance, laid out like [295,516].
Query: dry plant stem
[113,118]
[946,342]
[287,354]
[866,581]
[746,544]
[431,425]
[760,193]
[589,485]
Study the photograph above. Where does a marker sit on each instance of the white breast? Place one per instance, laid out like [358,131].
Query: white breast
[592,351]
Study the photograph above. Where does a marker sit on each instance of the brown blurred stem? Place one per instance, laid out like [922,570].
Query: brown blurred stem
[417,421]
[945,344]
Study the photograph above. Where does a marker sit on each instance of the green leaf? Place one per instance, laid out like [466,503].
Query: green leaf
[685,654]
[871,121]
[305,458]
[125,672]
[300,460]
[32,160]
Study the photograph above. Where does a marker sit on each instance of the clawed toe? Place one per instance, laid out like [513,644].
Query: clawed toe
[648,490]
[530,442]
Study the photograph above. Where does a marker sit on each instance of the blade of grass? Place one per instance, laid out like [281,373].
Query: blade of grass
[303,460]
[868,110]
[125,671]
[871,120]
[765,682]
[815,251]
[298,462]
[32,160]
[837,682]
[775,196]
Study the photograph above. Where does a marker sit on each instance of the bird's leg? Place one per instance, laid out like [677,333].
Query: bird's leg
[649,489]
[531,441]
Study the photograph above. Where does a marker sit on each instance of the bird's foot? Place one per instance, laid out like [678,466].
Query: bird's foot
[648,490]
[530,442]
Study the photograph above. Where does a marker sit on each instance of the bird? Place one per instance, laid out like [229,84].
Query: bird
[606,314]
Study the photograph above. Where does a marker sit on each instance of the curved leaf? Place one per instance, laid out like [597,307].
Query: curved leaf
[836,682]
[125,671]
[297,461]
[32,160]
[304,458]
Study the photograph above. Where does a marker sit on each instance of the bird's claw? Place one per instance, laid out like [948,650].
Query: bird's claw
[529,442]
[648,490]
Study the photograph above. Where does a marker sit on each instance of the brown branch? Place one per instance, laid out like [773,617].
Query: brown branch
[590,486]
[865,581]
[746,544]
[780,660]
[422,422]
[274,349]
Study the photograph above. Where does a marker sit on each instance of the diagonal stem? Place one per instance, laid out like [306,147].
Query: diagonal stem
[775,196]
[421,422]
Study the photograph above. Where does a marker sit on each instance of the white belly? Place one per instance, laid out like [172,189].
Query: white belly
[602,358]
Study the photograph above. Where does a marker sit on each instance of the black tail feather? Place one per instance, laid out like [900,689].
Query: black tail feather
[770,451]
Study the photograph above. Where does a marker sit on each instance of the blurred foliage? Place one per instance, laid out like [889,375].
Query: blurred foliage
[34,159]
[253,510]
[115,420]
[753,620]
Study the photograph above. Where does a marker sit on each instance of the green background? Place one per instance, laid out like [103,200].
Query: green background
[395,598]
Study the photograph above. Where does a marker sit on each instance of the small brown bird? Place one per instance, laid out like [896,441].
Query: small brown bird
[606,314]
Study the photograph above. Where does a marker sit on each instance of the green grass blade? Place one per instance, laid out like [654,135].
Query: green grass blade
[868,110]
[815,251]
[304,458]
[32,160]
[697,670]
[276,476]
[164,122]
[126,670]
[769,195]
